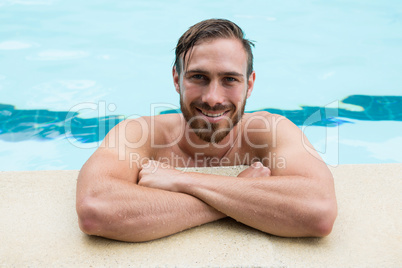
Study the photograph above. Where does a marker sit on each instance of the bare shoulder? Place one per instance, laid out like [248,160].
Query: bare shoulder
[283,145]
[265,128]
[127,144]
[264,118]
[168,122]
[139,132]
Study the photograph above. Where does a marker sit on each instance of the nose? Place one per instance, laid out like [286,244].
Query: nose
[213,94]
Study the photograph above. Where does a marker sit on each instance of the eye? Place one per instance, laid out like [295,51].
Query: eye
[197,76]
[230,79]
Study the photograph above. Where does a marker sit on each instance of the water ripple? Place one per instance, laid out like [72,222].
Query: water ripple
[19,125]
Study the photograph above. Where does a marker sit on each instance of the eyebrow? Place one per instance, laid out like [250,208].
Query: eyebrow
[200,71]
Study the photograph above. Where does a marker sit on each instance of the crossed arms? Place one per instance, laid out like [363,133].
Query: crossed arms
[127,203]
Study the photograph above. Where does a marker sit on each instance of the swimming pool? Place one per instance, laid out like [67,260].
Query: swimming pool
[70,70]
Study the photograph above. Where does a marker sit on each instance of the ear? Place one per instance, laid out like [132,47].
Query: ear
[250,84]
[176,79]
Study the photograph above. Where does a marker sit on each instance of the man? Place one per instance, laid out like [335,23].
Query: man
[130,190]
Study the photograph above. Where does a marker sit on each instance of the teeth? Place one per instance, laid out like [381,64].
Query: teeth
[212,115]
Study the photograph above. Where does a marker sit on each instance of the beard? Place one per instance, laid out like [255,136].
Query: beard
[207,131]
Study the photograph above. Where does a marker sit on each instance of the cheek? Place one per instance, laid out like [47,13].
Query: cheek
[239,97]
[186,98]
[190,93]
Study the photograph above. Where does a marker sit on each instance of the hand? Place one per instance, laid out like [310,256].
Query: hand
[257,169]
[158,175]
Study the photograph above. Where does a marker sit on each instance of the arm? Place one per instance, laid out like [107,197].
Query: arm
[298,200]
[111,204]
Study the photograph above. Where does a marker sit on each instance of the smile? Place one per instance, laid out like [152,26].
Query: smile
[212,114]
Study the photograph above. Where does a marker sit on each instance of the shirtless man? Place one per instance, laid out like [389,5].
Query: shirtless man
[129,188]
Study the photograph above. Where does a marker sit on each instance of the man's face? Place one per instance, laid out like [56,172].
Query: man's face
[213,87]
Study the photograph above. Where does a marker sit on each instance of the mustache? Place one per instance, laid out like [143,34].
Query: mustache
[207,107]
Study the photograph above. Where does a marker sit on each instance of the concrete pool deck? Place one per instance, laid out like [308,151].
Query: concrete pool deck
[39,228]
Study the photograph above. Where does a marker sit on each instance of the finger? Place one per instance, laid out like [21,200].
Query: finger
[257,164]
[146,164]
[265,171]
[152,164]
[140,174]
[165,165]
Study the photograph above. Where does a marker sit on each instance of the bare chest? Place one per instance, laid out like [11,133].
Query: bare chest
[237,154]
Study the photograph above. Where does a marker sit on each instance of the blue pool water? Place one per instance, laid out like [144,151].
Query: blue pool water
[70,70]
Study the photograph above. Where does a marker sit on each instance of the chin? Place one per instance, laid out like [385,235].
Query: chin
[214,132]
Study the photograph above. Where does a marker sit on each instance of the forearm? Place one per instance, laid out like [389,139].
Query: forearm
[280,205]
[125,211]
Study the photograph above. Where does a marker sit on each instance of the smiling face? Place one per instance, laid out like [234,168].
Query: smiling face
[214,87]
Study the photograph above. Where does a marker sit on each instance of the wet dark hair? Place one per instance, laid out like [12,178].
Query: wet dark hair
[208,30]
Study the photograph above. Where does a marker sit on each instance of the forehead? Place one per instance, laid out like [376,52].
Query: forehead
[218,54]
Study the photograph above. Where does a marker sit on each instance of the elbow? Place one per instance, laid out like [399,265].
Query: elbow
[324,219]
[89,216]
[97,218]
